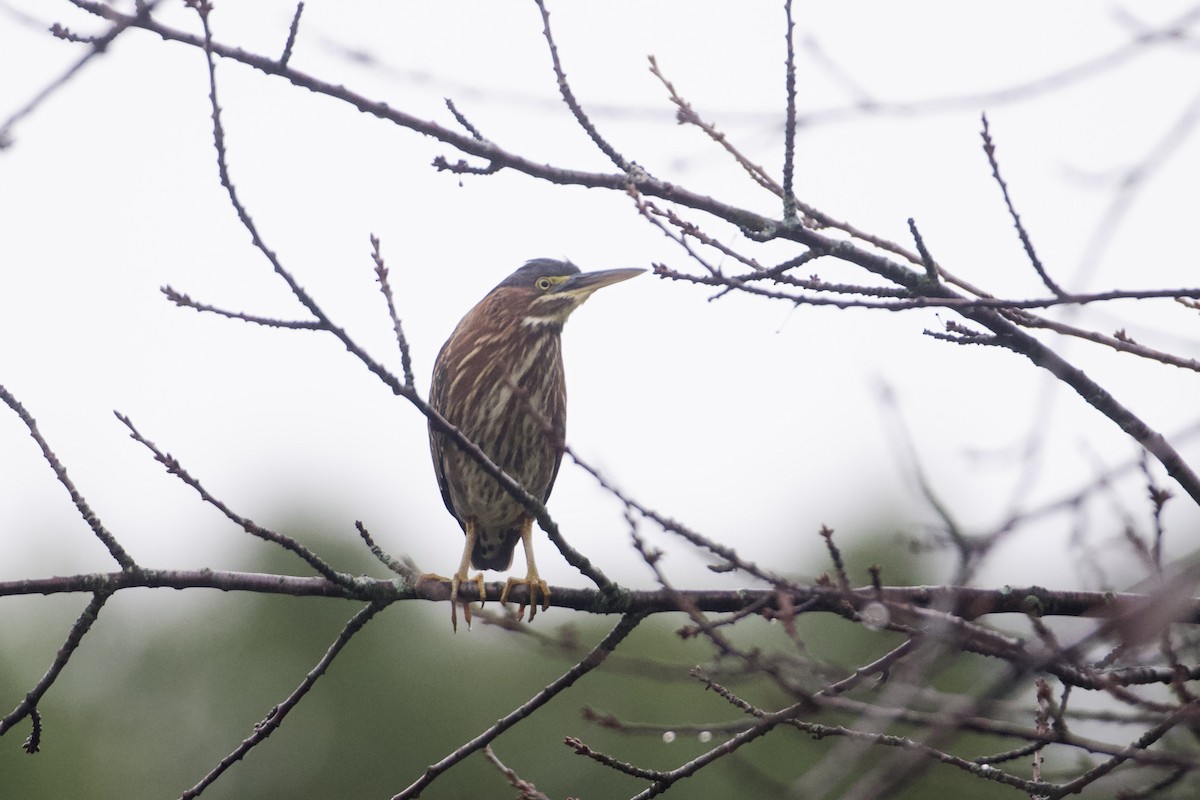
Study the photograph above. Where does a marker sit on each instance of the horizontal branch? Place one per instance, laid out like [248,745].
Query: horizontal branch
[904,300]
[963,601]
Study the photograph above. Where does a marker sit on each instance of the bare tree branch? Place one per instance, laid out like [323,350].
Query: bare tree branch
[592,660]
[81,505]
[28,706]
[277,713]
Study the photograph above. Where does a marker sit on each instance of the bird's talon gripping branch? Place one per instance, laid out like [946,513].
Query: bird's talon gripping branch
[454,582]
[466,604]
[535,585]
[499,381]
[460,577]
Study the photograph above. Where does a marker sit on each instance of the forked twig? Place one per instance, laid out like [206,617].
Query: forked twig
[1183,714]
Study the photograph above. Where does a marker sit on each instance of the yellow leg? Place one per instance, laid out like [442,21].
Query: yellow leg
[531,579]
[459,577]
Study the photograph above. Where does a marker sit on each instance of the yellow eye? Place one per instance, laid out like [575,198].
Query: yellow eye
[544,284]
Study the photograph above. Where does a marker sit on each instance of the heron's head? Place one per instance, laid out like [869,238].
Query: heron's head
[544,292]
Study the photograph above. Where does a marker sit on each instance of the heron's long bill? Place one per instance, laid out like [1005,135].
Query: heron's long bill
[591,281]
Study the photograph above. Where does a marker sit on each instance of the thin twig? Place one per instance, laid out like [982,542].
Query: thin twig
[33,742]
[1120,343]
[789,128]
[528,790]
[877,667]
[768,721]
[568,97]
[589,662]
[631,770]
[28,704]
[835,555]
[462,120]
[292,32]
[404,569]
[727,554]
[245,523]
[1185,713]
[119,554]
[702,624]
[99,45]
[652,215]
[910,301]
[686,115]
[381,272]
[874,711]
[989,149]
[184,301]
[933,754]
[931,268]
[277,714]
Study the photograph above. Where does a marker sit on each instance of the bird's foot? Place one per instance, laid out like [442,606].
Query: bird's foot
[454,583]
[535,585]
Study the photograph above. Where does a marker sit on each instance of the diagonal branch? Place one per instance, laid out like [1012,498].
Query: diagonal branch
[989,149]
[277,714]
[99,46]
[28,705]
[568,97]
[385,287]
[106,538]
[589,662]
[245,523]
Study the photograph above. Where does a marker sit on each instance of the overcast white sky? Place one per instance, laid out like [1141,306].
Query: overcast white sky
[751,422]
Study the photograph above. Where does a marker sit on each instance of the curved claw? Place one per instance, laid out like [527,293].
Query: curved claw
[466,604]
[535,585]
[460,576]
[454,583]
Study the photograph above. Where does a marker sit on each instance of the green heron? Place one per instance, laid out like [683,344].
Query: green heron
[499,380]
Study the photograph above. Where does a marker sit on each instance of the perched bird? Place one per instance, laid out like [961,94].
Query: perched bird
[499,380]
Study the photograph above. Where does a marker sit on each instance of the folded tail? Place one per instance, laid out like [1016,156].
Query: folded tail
[494,548]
